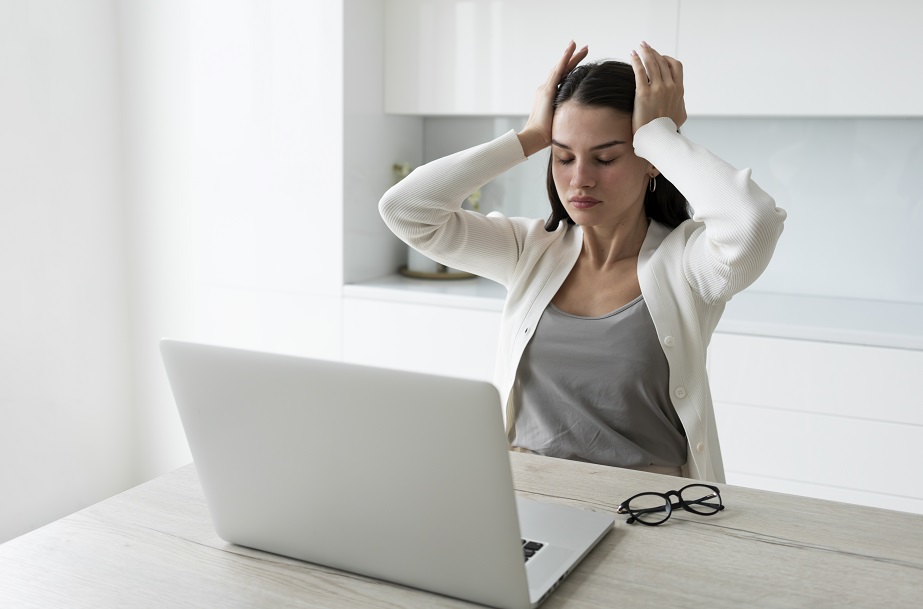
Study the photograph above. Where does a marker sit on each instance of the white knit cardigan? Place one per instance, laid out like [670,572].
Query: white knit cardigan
[687,274]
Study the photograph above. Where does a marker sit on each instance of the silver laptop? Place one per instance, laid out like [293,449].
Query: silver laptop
[398,476]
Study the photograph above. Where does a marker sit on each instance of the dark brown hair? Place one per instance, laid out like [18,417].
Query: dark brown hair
[611,84]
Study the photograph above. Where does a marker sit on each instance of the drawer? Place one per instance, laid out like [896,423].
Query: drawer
[837,452]
[872,383]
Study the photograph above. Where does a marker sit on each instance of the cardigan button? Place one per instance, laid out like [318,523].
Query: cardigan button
[700,447]
[680,392]
[668,341]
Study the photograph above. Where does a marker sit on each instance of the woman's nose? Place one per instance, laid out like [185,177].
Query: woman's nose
[582,176]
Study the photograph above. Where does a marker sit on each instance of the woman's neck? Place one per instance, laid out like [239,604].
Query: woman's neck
[604,246]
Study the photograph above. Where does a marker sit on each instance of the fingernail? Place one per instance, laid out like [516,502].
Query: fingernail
[645,45]
[634,53]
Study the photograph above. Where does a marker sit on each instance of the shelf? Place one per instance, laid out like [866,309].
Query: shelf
[814,318]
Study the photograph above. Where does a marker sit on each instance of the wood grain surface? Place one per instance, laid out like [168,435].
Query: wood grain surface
[154,546]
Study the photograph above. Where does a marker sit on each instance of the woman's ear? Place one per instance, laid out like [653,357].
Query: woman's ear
[652,171]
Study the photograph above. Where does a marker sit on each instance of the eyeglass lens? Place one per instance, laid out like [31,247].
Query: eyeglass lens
[649,508]
[700,499]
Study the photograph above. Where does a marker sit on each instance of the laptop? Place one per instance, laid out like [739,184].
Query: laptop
[398,476]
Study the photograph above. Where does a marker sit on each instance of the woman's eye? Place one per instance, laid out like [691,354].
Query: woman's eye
[568,161]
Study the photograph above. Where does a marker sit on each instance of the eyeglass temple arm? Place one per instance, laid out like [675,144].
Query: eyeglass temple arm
[660,508]
[700,499]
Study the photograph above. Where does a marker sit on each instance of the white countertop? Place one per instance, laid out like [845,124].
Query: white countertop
[816,318]
[825,319]
[473,293]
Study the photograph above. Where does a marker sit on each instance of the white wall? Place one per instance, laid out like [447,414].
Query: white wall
[234,143]
[66,417]
[169,167]
[374,142]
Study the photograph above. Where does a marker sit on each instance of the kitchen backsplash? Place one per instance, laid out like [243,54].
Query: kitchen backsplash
[851,188]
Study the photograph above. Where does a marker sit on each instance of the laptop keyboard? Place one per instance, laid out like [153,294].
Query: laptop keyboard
[529,548]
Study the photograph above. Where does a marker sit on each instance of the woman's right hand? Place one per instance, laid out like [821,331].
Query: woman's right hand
[536,135]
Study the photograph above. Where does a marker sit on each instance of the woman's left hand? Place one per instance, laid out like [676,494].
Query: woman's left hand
[658,88]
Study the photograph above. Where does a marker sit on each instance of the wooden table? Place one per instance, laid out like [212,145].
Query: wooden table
[154,546]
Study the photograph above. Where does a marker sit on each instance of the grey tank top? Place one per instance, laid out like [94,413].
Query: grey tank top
[597,389]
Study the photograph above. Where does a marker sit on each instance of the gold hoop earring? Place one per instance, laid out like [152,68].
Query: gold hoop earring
[652,185]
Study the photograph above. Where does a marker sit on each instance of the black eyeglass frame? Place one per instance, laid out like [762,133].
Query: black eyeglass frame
[668,505]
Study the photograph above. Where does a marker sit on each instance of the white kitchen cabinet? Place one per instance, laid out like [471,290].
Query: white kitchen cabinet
[484,57]
[835,421]
[446,340]
[796,58]
[779,58]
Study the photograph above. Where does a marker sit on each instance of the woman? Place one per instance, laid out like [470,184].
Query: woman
[612,303]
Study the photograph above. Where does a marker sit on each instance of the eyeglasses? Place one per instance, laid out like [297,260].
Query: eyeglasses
[655,508]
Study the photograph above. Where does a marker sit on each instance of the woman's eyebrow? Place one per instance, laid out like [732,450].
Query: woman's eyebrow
[599,147]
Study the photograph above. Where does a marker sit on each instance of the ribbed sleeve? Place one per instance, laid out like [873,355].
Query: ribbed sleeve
[425,211]
[740,222]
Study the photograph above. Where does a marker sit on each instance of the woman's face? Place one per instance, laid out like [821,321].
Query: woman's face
[598,177]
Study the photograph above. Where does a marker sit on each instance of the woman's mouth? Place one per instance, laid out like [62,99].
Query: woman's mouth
[583,202]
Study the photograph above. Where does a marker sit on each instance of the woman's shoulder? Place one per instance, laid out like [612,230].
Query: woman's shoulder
[658,233]
[665,242]
[533,229]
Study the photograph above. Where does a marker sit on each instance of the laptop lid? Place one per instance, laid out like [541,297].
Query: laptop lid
[395,475]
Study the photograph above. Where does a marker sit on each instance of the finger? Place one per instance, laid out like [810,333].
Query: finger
[641,79]
[576,59]
[554,76]
[657,67]
[561,67]
[665,73]
[676,69]
[650,63]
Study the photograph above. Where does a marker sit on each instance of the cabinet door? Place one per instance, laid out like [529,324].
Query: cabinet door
[797,58]
[451,341]
[487,57]
[833,421]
